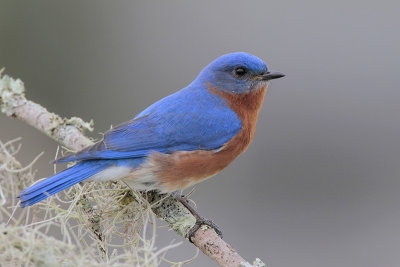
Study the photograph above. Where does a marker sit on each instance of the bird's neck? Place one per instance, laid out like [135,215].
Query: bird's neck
[244,104]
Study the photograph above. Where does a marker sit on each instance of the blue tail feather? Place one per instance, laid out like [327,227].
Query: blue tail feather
[51,181]
[56,180]
[61,181]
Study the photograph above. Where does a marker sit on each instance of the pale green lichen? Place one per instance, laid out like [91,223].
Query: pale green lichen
[172,212]
[77,217]
[14,103]
[11,93]
[256,263]
[80,124]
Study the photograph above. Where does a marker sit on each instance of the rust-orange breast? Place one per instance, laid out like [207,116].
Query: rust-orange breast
[184,168]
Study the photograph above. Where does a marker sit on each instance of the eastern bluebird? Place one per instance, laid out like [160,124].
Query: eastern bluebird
[178,141]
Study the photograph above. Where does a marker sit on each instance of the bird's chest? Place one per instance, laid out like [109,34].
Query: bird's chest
[184,168]
[180,169]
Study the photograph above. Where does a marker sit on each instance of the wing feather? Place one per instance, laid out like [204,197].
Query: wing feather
[167,126]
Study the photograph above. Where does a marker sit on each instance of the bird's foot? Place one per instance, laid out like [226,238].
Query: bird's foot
[199,220]
[202,221]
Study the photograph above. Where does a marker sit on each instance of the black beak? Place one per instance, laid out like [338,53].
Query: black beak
[272,75]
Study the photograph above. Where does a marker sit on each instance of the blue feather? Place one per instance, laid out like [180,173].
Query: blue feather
[61,181]
[169,125]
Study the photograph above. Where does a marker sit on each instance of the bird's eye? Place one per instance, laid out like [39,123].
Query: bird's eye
[240,71]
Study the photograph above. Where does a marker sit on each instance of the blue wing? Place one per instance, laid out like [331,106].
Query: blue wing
[190,119]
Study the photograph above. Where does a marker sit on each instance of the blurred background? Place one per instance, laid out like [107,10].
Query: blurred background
[320,184]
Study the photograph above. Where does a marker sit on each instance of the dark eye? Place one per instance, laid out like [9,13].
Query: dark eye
[240,71]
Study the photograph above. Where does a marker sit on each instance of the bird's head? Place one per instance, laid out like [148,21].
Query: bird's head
[237,73]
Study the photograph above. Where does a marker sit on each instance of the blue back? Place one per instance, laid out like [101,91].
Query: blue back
[190,119]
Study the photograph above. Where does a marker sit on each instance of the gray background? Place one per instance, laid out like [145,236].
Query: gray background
[320,184]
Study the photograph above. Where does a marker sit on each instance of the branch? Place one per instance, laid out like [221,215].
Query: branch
[69,133]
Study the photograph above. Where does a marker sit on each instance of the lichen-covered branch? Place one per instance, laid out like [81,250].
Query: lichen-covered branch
[25,235]
[206,239]
[69,133]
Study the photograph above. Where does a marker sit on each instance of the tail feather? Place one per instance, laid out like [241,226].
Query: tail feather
[60,181]
[54,181]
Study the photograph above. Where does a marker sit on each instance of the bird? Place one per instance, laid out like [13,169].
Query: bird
[178,141]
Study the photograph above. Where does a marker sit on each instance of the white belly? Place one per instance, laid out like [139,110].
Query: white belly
[111,174]
[140,179]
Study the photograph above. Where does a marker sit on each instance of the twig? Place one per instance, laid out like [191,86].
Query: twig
[69,133]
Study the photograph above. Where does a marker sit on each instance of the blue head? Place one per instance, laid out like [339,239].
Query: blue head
[237,73]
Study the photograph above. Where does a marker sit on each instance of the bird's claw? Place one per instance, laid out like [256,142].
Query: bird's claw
[201,221]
